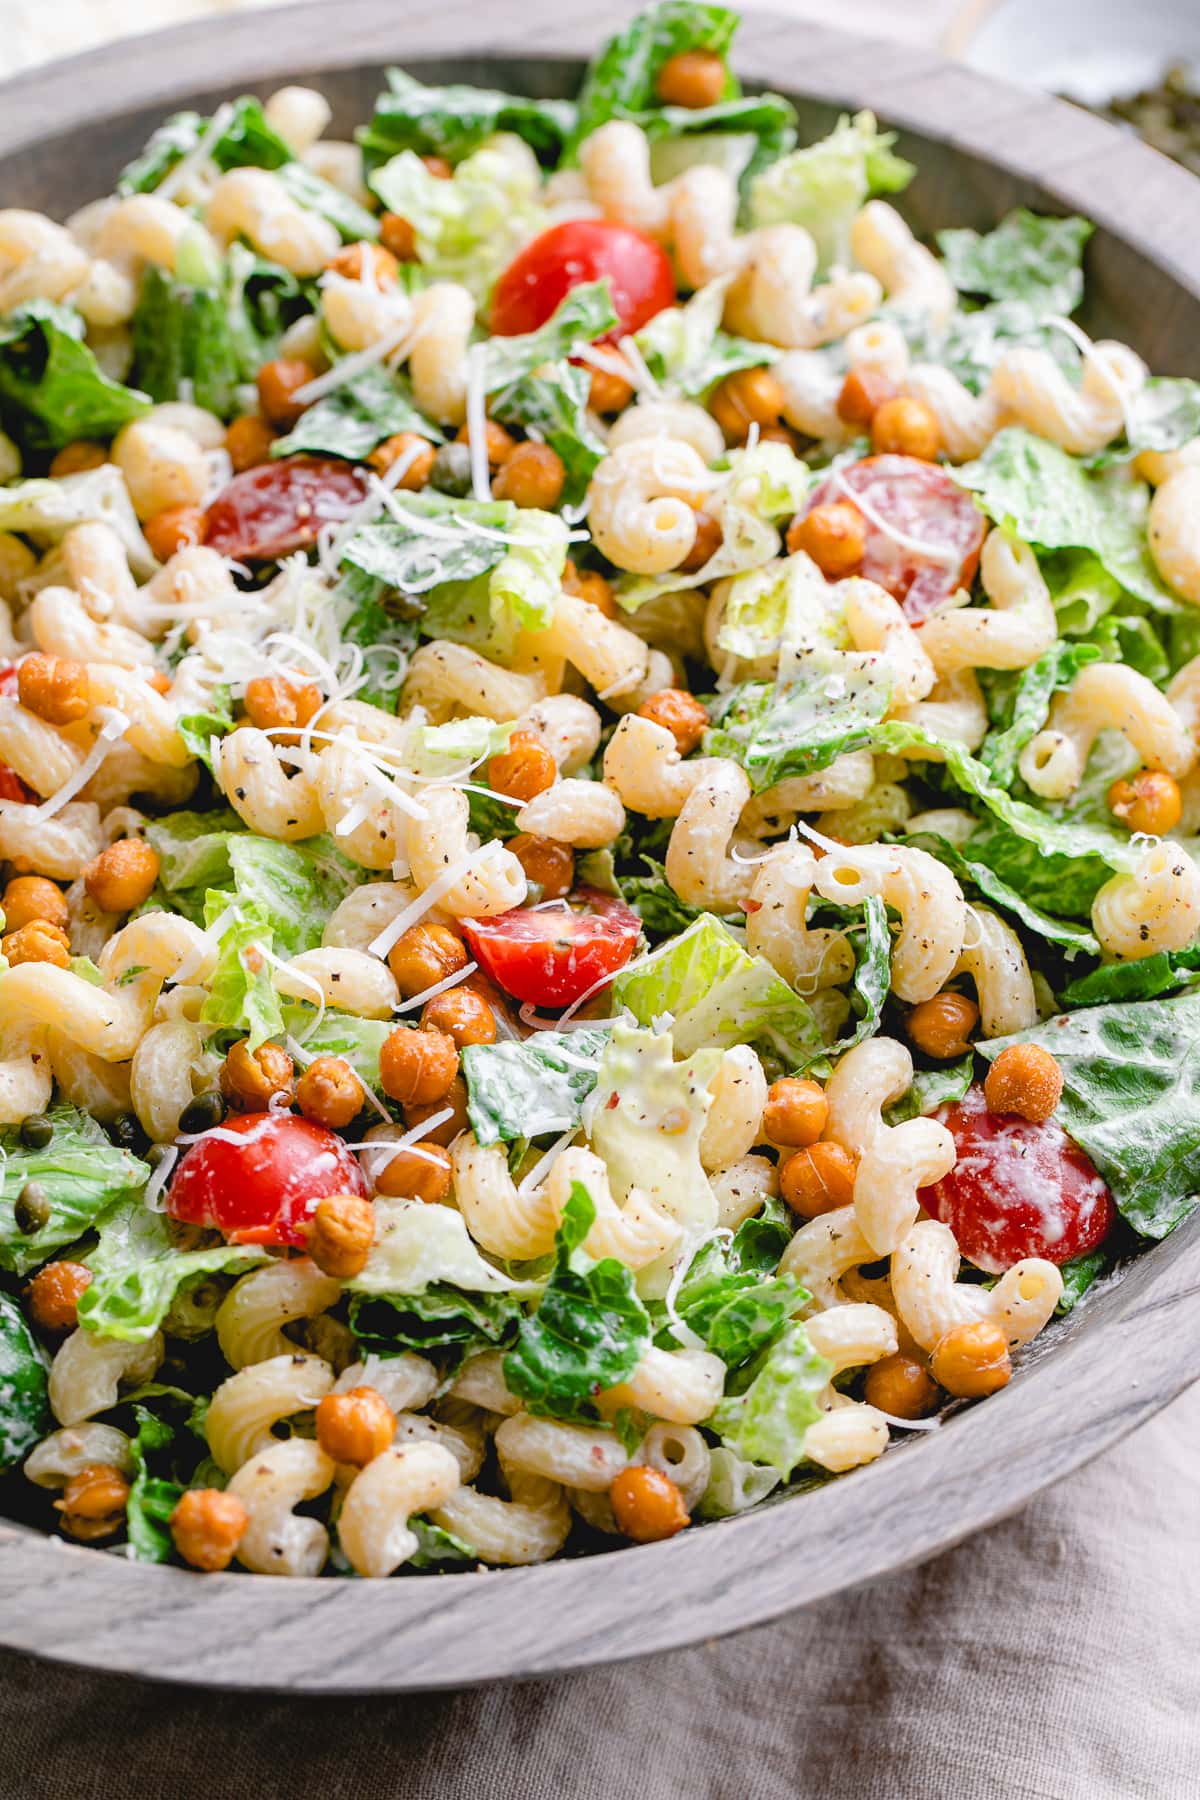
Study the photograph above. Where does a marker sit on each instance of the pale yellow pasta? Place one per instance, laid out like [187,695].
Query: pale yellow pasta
[440,842]
[894,1161]
[358,919]
[299,115]
[26,1072]
[994,958]
[739,1093]
[581,1456]
[682,420]
[88,1372]
[404,1381]
[348,979]
[163,467]
[887,808]
[643,765]
[66,1453]
[246,1406]
[1104,696]
[142,228]
[197,422]
[251,1317]
[60,847]
[682,1387]
[1036,392]
[615,165]
[254,204]
[39,260]
[922,890]
[39,752]
[359,313]
[568,726]
[61,626]
[777,922]
[530,1528]
[838,788]
[1156,906]
[584,814]
[679,1452]
[966,422]
[847,1436]
[443,316]
[699,864]
[911,275]
[824,1250]
[253,780]
[481,1380]
[876,622]
[358,805]
[932,1301]
[741,1189]
[162,1080]
[505,1222]
[464,1440]
[373,1526]
[642,504]
[17,563]
[151,727]
[87,1081]
[850,1433]
[954,709]
[1173,532]
[279,1477]
[126,771]
[445,677]
[1017,628]
[341,165]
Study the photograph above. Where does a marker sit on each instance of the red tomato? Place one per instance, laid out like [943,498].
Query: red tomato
[552,955]
[919,501]
[11,785]
[268,512]
[535,283]
[264,1190]
[1017,1189]
[8,680]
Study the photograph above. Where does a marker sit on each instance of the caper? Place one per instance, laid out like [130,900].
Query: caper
[451,472]
[205,1111]
[36,1131]
[32,1209]
[125,1132]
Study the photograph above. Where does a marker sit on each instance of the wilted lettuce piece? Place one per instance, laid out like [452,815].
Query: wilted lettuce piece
[152,1498]
[823,186]
[1029,705]
[241,993]
[440,1318]
[734,1485]
[138,1268]
[768,1421]
[24,1405]
[453,120]
[52,389]
[527,1090]
[589,1332]
[45,511]
[1029,256]
[717,993]
[686,350]
[467,229]
[83,1175]
[356,416]
[553,406]
[419,1246]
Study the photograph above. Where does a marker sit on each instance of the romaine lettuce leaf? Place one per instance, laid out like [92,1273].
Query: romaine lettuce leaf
[1029,705]
[334,1033]
[1016,853]
[296,886]
[418,1246]
[83,1174]
[138,1268]
[467,229]
[454,120]
[1164,414]
[241,993]
[553,406]
[872,973]
[1029,256]
[621,79]
[767,1422]
[198,729]
[193,848]
[585,314]
[441,1317]
[1163,973]
[52,389]
[823,185]
[734,1485]
[45,511]
[357,416]
[731,1295]
[932,1088]
[527,1090]
[686,350]
[24,1402]
[779,730]
[152,1498]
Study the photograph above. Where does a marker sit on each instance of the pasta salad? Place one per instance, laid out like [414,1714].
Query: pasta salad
[598,782]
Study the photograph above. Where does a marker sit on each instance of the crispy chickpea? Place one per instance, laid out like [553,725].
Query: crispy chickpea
[248,442]
[365,262]
[278,381]
[647,1505]
[526,768]
[398,237]
[532,476]
[174,529]
[863,393]
[707,542]
[38,942]
[421,1172]
[1026,1080]
[692,78]
[609,393]
[546,862]
[779,434]
[53,687]
[340,1233]
[251,1079]
[77,457]
[159,680]
[1151,802]
[93,1503]
[424,955]
[419,455]
[942,1026]
[29,897]
[417,1067]
[207,1526]
[681,713]
[499,443]
[463,1015]
[273,702]
[54,1295]
[748,397]
[795,1113]
[355,1427]
[454,1100]
[905,427]
[590,585]
[122,876]
[834,535]
[818,1179]
[438,167]
[901,1386]
[329,1092]
[972,1360]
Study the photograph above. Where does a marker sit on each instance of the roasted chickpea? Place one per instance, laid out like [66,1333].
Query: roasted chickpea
[174,529]
[424,955]
[38,942]
[692,78]
[681,713]
[647,1505]
[340,1233]
[499,443]
[122,876]
[419,455]
[329,1092]
[438,167]
[526,768]
[53,687]
[355,1427]
[371,263]
[707,542]
[278,382]
[818,1179]
[1026,1080]
[901,1386]
[780,434]
[251,1079]
[421,1172]
[454,1100]
[905,427]
[590,585]
[748,397]
[54,1295]
[1151,802]
[942,1026]
[834,535]
[93,1503]
[532,476]
[548,864]
[863,393]
[29,897]
[207,1526]
[248,442]
[274,703]
[398,237]
[77,457]
[972,1360]
[795,1113]
[159,680]
[609,393]
[417,1067]
[463,1015]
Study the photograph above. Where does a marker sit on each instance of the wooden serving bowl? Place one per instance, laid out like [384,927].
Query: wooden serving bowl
[981,148]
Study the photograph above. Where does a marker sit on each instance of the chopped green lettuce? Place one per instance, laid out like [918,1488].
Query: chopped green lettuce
[193,848]
[440,1318]
[1164,414]
[767,1422]
[528,1090]
[296,886]
[241,993]
[1029,705]
[52,389]
[734,1485]
[732,1301]
[1163,973]
[419,1246]
[1028,256]
[451,121]
[467,229]
[24,1402]
[152,1498]
[1016,853]
[932,1088]
[138,1268]
[208,335]
[45,511]
[83,1175]
[823,185]
[686,350]
[198,729]
[356,416]
[775,731]
[621,79]
[585,314]
[553,406]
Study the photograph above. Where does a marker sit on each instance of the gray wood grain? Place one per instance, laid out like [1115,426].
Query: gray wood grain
[982,147]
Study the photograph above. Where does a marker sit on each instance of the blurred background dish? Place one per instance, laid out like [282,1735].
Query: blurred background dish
[1088,50]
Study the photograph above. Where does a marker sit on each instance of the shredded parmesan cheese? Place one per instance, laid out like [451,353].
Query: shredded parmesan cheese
[114,726]
[198,155]
[391,933]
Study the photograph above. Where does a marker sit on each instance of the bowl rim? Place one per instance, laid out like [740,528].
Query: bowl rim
[97,1610]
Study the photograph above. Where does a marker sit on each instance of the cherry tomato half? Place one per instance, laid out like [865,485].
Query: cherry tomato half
[269,511]
[11,785]
[262,1191]
[535,283]
[552,955]
[1018,1189]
